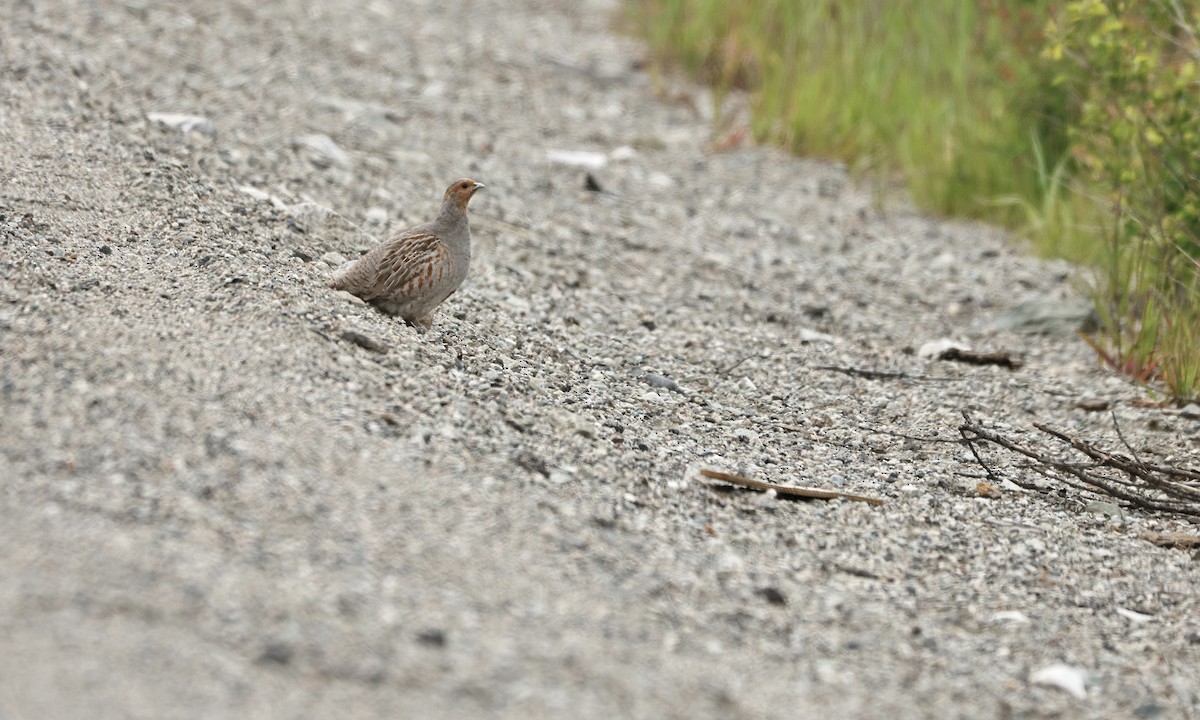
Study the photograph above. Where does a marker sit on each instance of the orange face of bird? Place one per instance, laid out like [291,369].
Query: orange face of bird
[461,191]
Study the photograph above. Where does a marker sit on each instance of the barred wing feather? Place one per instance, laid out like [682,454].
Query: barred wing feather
[411,264]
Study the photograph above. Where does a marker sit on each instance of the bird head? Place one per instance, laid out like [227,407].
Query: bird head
[461,191]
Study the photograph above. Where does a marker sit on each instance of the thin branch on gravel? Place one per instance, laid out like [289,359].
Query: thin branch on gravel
[1015,525]
[788,490]
[1181,540]
[1141,476]
[917,438]
[987,469]
[781,426]
[1194,475]
[882,374]
[861,572]
[1141,484]
[730,368]
[1121,437]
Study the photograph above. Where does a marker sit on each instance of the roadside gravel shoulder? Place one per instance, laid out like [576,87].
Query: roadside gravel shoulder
[230,491]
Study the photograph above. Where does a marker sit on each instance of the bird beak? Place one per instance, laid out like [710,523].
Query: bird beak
[479,185]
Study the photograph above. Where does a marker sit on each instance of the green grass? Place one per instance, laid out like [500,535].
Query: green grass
[943,93]
[959,100]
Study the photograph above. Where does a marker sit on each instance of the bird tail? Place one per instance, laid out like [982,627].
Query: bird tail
[342,277]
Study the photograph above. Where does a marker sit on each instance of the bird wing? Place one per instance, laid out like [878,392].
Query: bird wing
[411,263]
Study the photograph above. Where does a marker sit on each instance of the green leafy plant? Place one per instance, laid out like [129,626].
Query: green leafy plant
[1132,69]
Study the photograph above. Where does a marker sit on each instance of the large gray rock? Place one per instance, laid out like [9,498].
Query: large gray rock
[1046,316]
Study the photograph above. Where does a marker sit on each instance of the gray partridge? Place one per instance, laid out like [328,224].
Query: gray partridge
[413,272]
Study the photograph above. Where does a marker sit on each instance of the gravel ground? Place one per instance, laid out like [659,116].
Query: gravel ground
[231,492]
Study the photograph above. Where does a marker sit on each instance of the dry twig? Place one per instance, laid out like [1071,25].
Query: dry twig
[1183,541]
[788,490]
[881,374]
[1139,483]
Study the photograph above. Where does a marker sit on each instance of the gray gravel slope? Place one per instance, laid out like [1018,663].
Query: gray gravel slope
[214,505]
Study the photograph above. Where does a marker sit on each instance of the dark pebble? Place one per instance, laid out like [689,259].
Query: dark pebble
[363,341]
[591,184]
[1149,711]
[772,595]
[662,381]
[531,462]
[277,652]
[432,638]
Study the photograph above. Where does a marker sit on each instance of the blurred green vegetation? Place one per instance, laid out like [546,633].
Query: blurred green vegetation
[1076,124]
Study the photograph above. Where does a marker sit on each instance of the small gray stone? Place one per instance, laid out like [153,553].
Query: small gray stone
[935,348]
[276,652]
[813,336]
[376,216]
[255,193]
[661,181]
[184,123]
[662,381]
[532,462]
[433,637]
[334,259]
[745,435]
[323,151]
[1104,508]
[577,158]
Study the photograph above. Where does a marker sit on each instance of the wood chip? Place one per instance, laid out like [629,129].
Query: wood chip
[1181,540]
[987,490]
[787,490]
